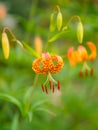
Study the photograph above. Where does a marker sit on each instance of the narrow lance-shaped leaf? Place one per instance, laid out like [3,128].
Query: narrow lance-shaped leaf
[46,110]
[30,50]
[56,36]
[15,123]
[39,103]
[12,100]
[30,115]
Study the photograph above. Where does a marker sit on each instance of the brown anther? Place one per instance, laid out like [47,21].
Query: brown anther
[50,84]
[46,89]
[53,88]
[86,72]
[81,74]
[91,72]
[43,87]
[58,85]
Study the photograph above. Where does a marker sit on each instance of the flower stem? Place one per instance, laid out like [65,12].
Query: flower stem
[31,94]
[7,29]
[72,18]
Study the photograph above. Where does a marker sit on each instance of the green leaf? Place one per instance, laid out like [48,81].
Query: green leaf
[30,50]
[15,123]
[11,99]
[46,110]
[30,115]
[56,36]
[37,104]
[27,95]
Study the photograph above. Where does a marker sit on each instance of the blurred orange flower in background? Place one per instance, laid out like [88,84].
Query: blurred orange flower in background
[81,54]
[3,11]
[38,44]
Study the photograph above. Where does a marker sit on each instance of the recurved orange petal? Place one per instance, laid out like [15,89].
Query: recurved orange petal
[48,64]
[83,53]
[73,56]
[57,64]
[92,47]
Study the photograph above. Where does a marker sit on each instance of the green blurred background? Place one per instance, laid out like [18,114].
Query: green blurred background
[76,106]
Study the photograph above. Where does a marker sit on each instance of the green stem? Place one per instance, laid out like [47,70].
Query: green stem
[58,8]
[72,18]
[31,94]
[34,85]
[7,29]
[46,46]
[19,43]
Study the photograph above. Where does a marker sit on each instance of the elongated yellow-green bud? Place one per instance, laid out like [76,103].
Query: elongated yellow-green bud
[59,20]
[80,32]
[5,45]
[52,23]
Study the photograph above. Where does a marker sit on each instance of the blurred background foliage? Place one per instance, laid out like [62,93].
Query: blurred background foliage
[76,106]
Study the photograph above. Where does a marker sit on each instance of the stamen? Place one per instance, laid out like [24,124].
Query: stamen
[46,89]
[81,74]
[43,87]
[50,84]
[58,85]
[91,72]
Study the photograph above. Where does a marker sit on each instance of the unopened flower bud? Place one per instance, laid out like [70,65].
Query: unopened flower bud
[59,20]
[38,44]
[80,32]
[52,23]
[5,45]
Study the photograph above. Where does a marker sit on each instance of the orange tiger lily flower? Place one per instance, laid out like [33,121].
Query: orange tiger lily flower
[48,64]
[81,55]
